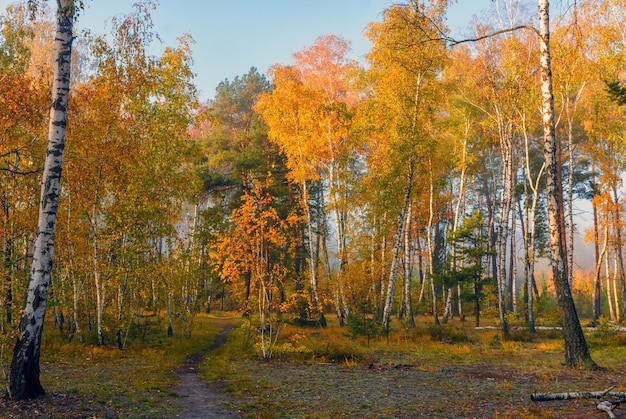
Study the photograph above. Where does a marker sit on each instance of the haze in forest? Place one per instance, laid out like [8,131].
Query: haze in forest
[390,178]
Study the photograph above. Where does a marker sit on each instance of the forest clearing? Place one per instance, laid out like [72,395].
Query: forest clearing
[457,372]
[375,227]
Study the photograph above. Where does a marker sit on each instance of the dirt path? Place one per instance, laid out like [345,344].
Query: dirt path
[198,398]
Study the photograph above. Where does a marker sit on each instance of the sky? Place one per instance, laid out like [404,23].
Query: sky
[233,35]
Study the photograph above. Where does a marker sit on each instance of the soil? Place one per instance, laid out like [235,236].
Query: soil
[199,399]
[381,390]
[419,391]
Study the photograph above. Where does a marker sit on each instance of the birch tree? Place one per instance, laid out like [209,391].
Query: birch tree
[403,76]
[24,378]
[576,350]
[290,112]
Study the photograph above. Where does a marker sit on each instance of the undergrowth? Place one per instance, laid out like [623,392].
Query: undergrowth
[137,381]
[132,382]
[308,351]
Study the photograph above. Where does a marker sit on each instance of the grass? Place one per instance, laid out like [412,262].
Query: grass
[333,374]
[456,357]
[133,382]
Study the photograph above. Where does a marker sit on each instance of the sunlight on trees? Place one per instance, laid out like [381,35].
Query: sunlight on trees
[429,180]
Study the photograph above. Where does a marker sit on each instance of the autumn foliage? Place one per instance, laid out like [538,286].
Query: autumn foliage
[412,183]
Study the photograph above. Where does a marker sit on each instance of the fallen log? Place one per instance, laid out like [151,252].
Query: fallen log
[546,397]
[605,406]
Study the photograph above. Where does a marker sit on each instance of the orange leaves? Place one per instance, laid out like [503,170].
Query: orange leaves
[324,68]
[289,111]
[257,240]
[308,113]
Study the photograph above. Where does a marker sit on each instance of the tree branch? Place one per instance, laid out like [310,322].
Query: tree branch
[19,172]
[454,42]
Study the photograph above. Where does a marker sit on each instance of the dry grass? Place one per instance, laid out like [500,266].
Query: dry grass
[84,380]
[451,371]
[455,371]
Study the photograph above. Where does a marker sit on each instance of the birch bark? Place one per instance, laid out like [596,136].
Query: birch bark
[24,377]
[395,259]
[576,350]
[529,235]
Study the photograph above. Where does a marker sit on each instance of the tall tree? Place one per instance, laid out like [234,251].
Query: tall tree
[290,112]
[576,350]
[24,380]
[404,82]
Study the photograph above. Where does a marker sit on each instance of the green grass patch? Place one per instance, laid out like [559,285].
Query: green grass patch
[133,382]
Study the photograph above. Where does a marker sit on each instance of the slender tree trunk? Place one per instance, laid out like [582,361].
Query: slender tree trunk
[513,260]
[431,245]
[561,204]
[607,265]
[576,350]
[570,181]
[24,376]
[614,283]
[340,225]
[420,269]
[506,153]
[491,223]
[408,268]
[597,289]
[529,236]
[383,256]
[97,276]
[76,293]
[620,276]
[395,259]
[97,272]
[459,208]
[335,290]
[311,238]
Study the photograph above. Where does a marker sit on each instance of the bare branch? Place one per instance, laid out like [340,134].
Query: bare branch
[19,172]
[453,42]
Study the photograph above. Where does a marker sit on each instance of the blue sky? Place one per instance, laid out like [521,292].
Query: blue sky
[233,35]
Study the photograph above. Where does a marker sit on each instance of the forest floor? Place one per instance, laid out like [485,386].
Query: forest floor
[199,398]
[324,374]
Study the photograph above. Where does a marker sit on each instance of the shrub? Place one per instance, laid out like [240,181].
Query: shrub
[338,352]
[360,324]
[605,329]
[448,334]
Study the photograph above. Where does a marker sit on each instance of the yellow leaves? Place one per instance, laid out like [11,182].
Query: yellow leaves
[309,111]
[256,241]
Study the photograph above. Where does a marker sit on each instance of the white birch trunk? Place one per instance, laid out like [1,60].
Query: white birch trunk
[576,349]
[609,293]
[513,276]
[429,239]
[614,283]
[570,181]
[620,276]
[458,207]
[340,216]
[599,269]
[97,277]
[408,267]
[309,226]
[506,151]
[24,379]
[395,259]
[530,226]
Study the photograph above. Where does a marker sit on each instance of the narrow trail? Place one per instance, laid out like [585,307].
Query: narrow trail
[199,399]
